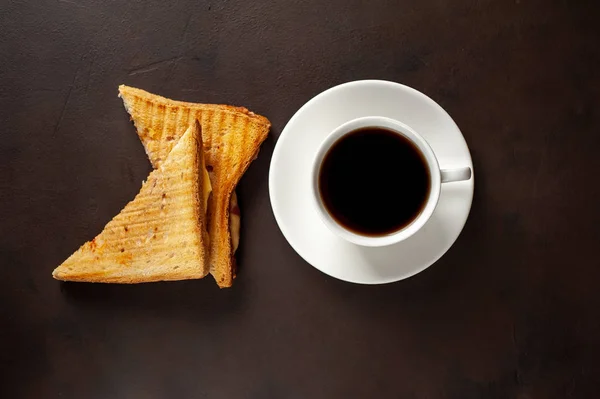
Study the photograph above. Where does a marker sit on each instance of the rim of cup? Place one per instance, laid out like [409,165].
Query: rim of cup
[430,161]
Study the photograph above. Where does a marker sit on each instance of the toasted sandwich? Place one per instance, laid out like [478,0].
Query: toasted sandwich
[161,234]
[231,137]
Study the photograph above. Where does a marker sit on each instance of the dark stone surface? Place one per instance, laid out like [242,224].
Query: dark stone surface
[511,311]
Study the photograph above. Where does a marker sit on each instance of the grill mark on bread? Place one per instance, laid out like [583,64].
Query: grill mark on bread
[191,118]
[161,130]
[204,118]
[217,141]
[170,123]
[182,114]
[244,144]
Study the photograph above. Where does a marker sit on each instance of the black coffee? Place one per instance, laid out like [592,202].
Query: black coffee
[374,181]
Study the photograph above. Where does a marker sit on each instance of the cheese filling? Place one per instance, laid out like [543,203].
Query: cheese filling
[206,187]
[234,222]
[206,190]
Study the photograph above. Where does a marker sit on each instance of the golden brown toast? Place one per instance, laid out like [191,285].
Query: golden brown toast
[232,137]
[161,234]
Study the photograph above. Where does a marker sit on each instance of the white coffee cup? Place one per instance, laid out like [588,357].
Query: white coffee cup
[437,177]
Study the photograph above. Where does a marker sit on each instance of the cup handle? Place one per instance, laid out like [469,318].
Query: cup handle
[458,174]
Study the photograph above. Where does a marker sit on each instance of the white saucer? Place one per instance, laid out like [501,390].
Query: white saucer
[289,182]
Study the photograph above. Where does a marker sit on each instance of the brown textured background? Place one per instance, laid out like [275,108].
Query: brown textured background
[511,311]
